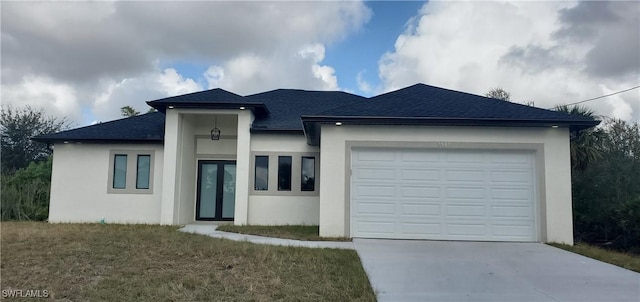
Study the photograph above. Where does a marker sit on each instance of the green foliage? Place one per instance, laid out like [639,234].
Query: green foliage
[128,111]
[585,143]
[17,127]
[606,192]
[498,93]
[25,194]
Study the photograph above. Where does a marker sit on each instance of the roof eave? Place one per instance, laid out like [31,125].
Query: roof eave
[100,140]
[276,131]
[311,129]
[258,109]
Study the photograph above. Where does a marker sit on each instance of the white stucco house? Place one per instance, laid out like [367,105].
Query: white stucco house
[420,163]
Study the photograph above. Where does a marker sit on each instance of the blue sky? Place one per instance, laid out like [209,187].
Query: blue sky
[85,60]
[359,53]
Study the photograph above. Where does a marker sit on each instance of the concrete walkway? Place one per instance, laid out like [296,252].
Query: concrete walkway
[211,231]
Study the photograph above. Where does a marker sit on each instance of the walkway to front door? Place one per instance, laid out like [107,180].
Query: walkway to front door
[216,190]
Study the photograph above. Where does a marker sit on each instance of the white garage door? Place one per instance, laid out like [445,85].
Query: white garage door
[442,194]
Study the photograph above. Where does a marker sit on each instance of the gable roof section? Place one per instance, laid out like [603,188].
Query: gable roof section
[145,128]
[209,99]
[287,105]
[302,111]
[422,104]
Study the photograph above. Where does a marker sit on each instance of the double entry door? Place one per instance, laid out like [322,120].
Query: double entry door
[216,196]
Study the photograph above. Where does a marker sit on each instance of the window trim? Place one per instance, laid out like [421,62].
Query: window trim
[296,158]
[132,171]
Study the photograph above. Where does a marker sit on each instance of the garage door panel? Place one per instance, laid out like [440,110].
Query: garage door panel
[365,191]
[422,209]
[465,175]
[376,208]
[515,231]
[511,211]
[511,194]
[510,176]
[510,158]
[466,211]
[417,228]
[443,194]
[420,192]
[420,174]
[466,157]
[466,229]
[412,157]
[375,174]
[466,192]
[377,227]
[377,156]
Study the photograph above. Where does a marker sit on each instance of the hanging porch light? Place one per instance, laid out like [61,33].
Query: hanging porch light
[215,132]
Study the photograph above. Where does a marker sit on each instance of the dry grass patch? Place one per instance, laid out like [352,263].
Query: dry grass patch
[298,232]
[92,262]
[624,260]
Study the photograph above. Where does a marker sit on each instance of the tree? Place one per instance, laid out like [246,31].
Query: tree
[17,127]
[498,93]
[584,143]
[606,194]
[128,111]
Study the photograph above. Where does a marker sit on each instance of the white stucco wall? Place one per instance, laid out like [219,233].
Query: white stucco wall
[284,210]
[551,147]
[281,209]
[80,182]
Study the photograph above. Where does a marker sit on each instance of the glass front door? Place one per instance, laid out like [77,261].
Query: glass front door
[216,196]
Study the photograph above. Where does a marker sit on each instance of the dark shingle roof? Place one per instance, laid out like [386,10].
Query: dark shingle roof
[214,99]
[287,105]
[147,127]
[422,104]
[295,110]
[424,101]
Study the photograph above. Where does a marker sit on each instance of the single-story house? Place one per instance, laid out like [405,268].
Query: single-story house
[421,162]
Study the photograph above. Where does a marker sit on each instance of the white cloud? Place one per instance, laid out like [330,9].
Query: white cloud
[363,85]
[620,108]
[136,91]
[251,73]
[57,99]
[108,53]
[527,48]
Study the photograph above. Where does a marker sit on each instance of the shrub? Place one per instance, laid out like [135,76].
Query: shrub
[25,194]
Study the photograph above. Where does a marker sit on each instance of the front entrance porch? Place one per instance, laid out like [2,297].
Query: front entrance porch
[205,178]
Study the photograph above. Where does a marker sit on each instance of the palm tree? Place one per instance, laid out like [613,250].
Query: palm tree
[585,144]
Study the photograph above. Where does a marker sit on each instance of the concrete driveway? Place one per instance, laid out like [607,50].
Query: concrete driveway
[416,270]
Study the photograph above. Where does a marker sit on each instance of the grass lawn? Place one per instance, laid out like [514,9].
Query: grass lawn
[299,232]
[628,261]
[93,262]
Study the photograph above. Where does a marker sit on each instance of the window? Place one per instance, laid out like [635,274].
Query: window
[143,171]
[261,181]
[284,173]
[120,171]
[308,174]
[130,172]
